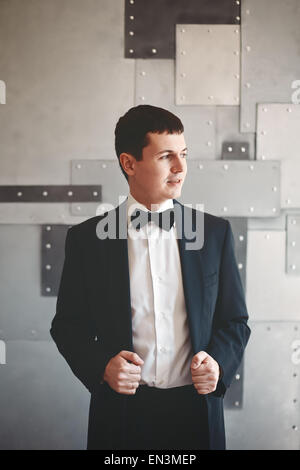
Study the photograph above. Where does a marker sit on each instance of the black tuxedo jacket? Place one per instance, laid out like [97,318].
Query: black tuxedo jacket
[93,317]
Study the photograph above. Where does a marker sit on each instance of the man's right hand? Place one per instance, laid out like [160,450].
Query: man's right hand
[121,375]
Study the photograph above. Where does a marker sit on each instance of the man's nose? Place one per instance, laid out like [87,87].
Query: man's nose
[179,164]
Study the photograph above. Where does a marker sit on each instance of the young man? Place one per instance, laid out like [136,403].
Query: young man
[152,327]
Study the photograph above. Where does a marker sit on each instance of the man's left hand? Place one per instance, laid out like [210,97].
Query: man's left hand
[205,373]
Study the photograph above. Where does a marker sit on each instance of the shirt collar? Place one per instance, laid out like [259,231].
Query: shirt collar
[168,204]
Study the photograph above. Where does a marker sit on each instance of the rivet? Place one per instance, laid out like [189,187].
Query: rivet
[143,73]
[267,236]
[236,76]
[131,51]
[95,193]
[247,12]
[236,52]
[229,149]
[295,428]
[103,165]
[48,289]
[154,51]
[182,30]
[241,238]
[210,97]
[237,18]
[248,48]
[263,157]
[288,201]
[225,209]
[240,266]
[247,124]
[293,266]
[289,110]
[294,374]
[48,267]
[182,97]
[70,193]
[78,166]
[19,194]
[274,189]
[33,332]
[48,228]
[247,85]
[293,243]
[131,17]
[48,246]
[268,328]
[236,403]
[45,193]
[142,98]
[295,400]
[263,132]
[131,33]
[251,167]
[237,2]
[131,1]
[200,166]
[225,166]
[183,75]
[294,221]
[265,109]
[208,143]
[236,31]
[209,123]
[237,377]
[274,209]
[236,98]
[243,150]
[78,208]
[183,52]
[251,209]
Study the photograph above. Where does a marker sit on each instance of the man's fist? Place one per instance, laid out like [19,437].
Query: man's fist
[205,373]
[121,375]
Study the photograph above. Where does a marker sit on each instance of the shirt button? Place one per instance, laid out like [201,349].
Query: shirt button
[163,349]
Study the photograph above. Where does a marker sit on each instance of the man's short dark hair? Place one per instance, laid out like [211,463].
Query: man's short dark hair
[132,128]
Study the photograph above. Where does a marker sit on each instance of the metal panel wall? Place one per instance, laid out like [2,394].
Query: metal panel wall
[67,73]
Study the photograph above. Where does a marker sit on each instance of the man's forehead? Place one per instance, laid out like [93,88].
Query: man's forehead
[161,140]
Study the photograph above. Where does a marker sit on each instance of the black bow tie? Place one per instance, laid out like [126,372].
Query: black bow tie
[164,220]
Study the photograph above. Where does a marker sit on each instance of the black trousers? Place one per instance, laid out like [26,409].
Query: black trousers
[174,418]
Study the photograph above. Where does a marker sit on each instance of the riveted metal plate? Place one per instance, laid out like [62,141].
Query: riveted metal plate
[25,313]
[268,69]
[150,26]
[272,294]
[207,79]
[228,130]
[155,85]
[239,229]
[270,416]
[52,256]
[234,188]
[108,174]
[235,151]
[278,138]
[50,193]
[293,244]
[234,396]
[43,405]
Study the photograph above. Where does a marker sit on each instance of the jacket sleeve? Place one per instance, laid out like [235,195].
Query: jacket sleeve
[71,328]
[230,330]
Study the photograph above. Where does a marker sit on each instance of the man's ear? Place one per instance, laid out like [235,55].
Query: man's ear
[128,163]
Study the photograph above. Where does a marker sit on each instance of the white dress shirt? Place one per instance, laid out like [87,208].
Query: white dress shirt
[159,319]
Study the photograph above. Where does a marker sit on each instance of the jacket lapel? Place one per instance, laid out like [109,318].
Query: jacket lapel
[192,278]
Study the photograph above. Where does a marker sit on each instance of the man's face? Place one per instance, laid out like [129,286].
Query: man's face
[161,172]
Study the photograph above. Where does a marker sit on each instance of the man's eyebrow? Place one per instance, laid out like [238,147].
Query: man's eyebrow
[169,151]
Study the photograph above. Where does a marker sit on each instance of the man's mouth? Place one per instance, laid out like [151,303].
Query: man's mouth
[174,182]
